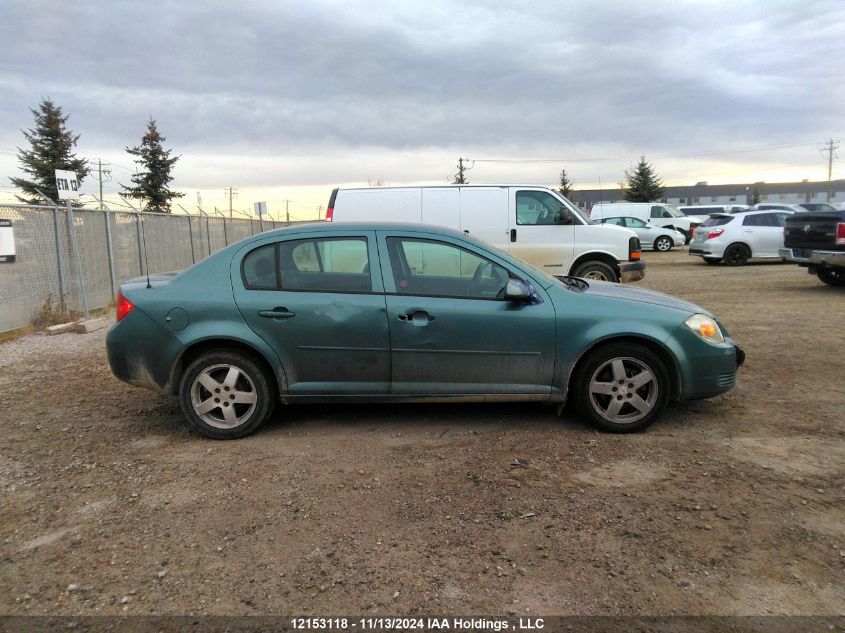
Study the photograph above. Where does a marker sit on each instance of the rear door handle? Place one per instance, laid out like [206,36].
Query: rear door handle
[276,313]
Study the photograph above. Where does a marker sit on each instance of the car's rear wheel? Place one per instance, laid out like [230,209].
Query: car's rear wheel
[225,395]
[737,255]
[663,244]
[712,260]
[831,277]
[596,270]
[621,387]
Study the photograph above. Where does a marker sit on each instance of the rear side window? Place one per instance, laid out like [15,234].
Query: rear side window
[763,219]
[717,221]
[325,265]
[260,271]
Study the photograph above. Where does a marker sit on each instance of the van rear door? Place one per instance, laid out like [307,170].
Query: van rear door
[541,230]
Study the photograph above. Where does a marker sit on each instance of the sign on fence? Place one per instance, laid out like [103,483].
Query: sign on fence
[7,242]
[260,208]
[67,185]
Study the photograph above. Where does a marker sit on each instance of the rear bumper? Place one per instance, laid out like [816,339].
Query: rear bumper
[812,257]
[140,352]
[631,271]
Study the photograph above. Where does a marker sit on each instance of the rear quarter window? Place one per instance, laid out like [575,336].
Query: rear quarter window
[259,269]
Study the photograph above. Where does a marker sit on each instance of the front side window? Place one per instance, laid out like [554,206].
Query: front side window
[426,267]
[540,208]
[635,223]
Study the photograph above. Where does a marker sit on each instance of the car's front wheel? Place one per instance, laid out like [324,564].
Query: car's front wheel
[832,277]
[663,244]
[225,395]
[621,387]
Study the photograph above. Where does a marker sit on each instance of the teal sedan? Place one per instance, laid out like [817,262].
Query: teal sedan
[389,312]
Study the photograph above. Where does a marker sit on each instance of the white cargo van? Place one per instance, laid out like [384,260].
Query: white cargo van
[656,213]
[532,223]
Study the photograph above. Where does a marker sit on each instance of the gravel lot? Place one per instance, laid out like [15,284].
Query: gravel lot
[728,506]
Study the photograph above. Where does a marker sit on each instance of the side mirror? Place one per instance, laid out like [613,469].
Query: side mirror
[517,291]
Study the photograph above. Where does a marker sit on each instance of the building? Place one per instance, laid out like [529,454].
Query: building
[703,194]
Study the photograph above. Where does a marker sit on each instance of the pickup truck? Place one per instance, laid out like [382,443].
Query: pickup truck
[816,241]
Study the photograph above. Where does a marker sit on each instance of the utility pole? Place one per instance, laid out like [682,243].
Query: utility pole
[231,193]
[287,211]
[100,172]
[832,146]
[460,177]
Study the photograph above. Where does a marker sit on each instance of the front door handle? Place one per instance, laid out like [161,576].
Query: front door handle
[513,235]
[276,313]
[419,317]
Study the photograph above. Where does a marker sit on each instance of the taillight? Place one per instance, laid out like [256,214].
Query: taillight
[124,306]
[840,233]
[714,233]
[329,214]
[633,249]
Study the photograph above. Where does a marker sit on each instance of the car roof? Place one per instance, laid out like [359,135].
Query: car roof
[749,212]
[330,227]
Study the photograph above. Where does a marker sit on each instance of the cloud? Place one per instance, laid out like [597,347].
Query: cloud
[351,79]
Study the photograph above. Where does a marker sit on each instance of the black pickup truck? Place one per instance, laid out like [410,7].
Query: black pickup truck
[817,242]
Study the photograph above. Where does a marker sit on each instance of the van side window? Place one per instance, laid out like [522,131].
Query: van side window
[540,208]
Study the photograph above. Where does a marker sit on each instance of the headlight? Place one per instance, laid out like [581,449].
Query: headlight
[705,327]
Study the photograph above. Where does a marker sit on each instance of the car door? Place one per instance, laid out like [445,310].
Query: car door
[317,299]
[542,230]
[763,233]
[646,232]
[451,331]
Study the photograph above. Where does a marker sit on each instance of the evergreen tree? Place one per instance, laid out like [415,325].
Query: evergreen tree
[51,148]
[756,196]
[643,184]
[566,183]
[150,185]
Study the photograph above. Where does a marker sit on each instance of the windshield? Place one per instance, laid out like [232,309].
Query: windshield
[673,211]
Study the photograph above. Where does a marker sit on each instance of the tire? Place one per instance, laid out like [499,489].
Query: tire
[831,276]
[596,270]
[736,255]
[663,244]
[712,260]
[600,371]
[209,380]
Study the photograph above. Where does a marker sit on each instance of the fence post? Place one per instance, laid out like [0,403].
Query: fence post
[75,245]
[208,235]
[225,233]
[138,235]
[191,237]
[59,258]
[111,254]
[251,227]
[261,223]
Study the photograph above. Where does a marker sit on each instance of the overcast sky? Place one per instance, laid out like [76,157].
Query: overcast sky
[287,100]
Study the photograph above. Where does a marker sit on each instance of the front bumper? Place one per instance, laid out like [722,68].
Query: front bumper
[632,271]
[812,257]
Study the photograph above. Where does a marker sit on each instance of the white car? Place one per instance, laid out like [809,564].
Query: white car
[652,237]
[657,213]
[737,237]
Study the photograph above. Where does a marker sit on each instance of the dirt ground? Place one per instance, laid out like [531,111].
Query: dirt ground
[731,506]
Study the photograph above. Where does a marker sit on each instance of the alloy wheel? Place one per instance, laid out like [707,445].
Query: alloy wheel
[623,390]
[223,396]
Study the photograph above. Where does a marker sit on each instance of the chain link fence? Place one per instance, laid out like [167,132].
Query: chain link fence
[73,262]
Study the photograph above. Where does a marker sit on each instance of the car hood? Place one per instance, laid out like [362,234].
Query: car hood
[627,293]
